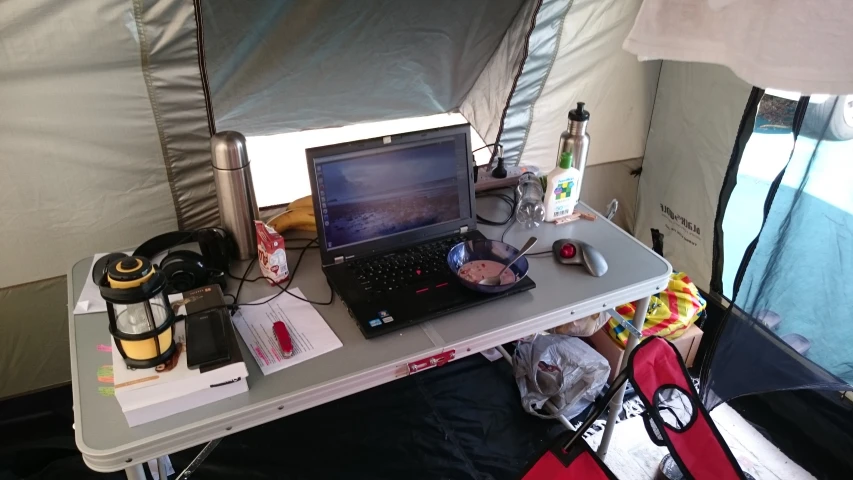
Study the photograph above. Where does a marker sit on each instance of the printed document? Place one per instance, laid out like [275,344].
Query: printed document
[309,333]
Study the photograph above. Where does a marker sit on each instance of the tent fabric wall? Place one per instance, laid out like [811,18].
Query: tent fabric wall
[591,67]
[541,44]
[168,38]
[697,111]
[34,336]
[613,180]
[83,132]
[82,167]
[97,98]
[285,66]
[485,102]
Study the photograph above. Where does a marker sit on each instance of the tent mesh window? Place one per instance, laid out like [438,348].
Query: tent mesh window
[787,249]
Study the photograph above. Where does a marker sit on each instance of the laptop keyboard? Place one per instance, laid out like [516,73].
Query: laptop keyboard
[405,269]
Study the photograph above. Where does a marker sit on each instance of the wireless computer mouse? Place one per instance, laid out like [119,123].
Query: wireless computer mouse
[575,252]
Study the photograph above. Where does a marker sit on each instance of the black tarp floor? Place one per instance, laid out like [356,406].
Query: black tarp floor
[461,421]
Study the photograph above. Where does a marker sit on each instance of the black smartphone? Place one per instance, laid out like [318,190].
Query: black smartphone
[206,342]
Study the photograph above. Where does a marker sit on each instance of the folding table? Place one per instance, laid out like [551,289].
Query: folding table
[563,294]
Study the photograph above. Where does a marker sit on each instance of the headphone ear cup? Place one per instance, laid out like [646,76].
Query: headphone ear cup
[99,269]
[215,246]
[184,270]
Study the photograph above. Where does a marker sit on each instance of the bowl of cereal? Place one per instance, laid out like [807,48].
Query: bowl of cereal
[474,260]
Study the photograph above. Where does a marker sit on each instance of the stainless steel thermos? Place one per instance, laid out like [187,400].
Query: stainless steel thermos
[238,208]
[576,140]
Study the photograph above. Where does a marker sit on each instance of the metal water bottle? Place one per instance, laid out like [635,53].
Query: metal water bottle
[238,208]
[576,140]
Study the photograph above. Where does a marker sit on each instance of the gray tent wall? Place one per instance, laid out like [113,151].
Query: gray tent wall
[697,111]
[104,140]
[588,65]
[105,123]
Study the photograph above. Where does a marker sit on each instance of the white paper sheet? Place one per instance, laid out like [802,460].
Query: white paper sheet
[310,334]
[90,300]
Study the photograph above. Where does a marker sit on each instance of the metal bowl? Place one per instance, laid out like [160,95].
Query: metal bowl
[472,250]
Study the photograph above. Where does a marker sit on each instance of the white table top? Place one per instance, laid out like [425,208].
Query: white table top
[563,294]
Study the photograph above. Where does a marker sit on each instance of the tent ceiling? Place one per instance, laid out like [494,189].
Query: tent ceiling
[283,66]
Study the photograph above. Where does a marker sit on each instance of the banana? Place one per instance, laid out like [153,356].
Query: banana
[296,219]
[304,202]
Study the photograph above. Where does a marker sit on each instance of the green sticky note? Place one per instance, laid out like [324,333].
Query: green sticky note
[105,371]
[107,391]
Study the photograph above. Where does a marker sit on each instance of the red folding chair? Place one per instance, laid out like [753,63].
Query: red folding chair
[674,418]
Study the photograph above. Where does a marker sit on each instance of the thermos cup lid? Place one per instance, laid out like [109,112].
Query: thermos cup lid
[228,151]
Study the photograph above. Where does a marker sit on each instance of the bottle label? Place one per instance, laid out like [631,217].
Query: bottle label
[564,189]
[567,208]
[564,203]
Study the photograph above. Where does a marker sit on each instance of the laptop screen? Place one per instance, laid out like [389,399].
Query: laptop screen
[380,192]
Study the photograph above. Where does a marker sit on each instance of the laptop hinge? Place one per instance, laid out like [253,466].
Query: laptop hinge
[464,229]
[339,260]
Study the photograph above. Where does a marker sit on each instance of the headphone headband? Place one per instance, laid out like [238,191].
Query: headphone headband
[214,242]
[153,246]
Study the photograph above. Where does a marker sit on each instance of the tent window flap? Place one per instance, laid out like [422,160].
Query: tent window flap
[278,67]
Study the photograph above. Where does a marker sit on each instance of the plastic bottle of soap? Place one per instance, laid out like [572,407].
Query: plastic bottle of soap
[561,193]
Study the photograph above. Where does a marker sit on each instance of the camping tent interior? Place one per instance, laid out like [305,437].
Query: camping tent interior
[108,107]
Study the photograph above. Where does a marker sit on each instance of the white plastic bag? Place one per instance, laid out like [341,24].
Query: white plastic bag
[559,368]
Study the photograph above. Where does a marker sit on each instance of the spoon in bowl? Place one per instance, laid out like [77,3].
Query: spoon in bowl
[496,280]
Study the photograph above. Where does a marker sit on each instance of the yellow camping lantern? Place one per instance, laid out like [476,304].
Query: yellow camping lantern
[141,318]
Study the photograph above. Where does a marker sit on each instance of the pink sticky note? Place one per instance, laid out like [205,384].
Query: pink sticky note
[105,348]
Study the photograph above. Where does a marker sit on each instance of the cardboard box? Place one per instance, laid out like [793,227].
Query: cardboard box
[687,345]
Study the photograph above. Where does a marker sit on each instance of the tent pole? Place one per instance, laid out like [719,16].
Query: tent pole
[616,402]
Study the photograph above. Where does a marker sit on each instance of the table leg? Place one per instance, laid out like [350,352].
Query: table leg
[161,468]
[135,472]
[616,402]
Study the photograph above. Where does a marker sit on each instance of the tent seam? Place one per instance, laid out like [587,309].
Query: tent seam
[652,114]
[517,75]
[544,80]
[202,67]
[646,146]
[33,282]
[145,64]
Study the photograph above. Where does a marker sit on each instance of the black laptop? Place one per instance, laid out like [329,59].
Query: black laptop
[388,211]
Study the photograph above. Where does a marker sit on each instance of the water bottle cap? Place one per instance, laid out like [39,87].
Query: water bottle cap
[579,114]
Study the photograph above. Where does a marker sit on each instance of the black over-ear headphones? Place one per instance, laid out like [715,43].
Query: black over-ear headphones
[184,269]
